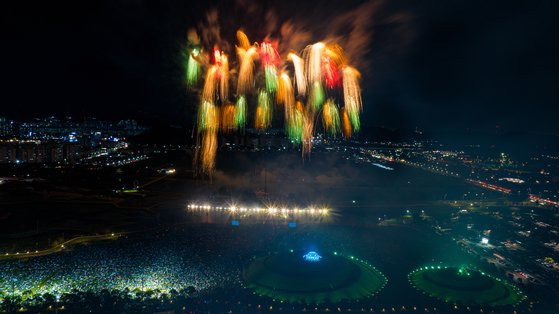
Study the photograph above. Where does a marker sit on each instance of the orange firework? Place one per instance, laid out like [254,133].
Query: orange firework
[208,93]
[308,128]
[346,125]
[284,93]
[208,125]
[228,118]
[242,38]
[336,53]
[209,148]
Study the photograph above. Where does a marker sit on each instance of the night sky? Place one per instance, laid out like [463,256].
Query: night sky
[436,65]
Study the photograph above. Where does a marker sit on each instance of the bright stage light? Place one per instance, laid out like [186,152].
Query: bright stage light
[312,257]
[271,211]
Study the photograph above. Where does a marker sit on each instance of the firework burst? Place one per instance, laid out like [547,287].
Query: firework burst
[322,79]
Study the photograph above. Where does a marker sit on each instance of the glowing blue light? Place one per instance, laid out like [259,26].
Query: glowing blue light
[312,256]
[72,137]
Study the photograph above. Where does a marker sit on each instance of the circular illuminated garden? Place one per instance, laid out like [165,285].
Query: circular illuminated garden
[464,285]
[312,277]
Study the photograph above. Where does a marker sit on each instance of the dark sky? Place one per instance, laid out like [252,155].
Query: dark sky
[437,65]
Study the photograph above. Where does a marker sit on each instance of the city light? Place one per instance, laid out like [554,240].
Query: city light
[512,180]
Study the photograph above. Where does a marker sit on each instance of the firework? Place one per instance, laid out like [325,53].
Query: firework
[336,54]
[263,111]
[208,117]
[295,121]
[208,93]
[352,95]
[284,93]
[192,69]
[322,79]
[228,118]
[224,78]
[240,113]
[346,125]
[308,128]
[313,62]
[313,67]
[208,125]
[271,80]
[299,75]
[330,117]
[353,114]
[331,74]
[209,148]
[317,96]
[269,54]
[221,69]
[245,81]
[242,38]
[270,57]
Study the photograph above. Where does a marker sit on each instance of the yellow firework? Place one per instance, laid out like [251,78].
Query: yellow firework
[263,111]
[284,92]
[224,78]
[300,79]
[313,62]
[242,38]
[245,81]
[208,93]
[352,95]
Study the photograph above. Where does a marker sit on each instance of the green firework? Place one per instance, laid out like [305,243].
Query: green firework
[317,96]
[240,113]
[271,79]
[192,69]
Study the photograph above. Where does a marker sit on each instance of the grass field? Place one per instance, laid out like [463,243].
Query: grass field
[289,277]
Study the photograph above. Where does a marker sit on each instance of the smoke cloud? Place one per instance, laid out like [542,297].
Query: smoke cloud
[293,26]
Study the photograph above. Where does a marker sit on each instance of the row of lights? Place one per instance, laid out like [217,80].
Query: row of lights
[36,251]
[269,210]
[17,253]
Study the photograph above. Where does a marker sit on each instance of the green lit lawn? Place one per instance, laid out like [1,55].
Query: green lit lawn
[466,286]
[289,278]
